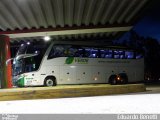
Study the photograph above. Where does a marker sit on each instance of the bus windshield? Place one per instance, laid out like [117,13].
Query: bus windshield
[32,63]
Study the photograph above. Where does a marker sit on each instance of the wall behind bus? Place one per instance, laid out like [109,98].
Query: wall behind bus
[5,70]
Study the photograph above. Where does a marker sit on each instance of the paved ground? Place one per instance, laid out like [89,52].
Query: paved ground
[150,89]
[143,102]
[64,91]
[153,88]
[66,86]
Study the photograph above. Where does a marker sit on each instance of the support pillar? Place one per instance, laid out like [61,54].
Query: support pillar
[5,70]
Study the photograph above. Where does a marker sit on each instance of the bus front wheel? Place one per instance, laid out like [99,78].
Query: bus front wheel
[50,81]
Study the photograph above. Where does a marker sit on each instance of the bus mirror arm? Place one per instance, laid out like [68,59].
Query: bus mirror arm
[18,57]
[25,56]
[7,61]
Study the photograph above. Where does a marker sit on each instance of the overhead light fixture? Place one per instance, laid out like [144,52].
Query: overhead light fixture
[47,38]
[28,43]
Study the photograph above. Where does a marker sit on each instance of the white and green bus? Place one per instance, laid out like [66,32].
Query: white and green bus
[80,64]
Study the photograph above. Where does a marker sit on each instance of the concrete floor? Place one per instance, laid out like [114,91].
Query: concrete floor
[150,89]
[153,88]
[137,103]
[63,91]
[143,102]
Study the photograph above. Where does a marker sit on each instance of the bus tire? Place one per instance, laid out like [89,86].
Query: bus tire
[113,80]
[124,81]
[124,78]
[50,81]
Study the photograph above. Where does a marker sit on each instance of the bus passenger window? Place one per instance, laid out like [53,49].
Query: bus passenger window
[129,55]
[109,54]
[73,52]
[87,52]
[102,53]
[79,53]
[139,55]
[116,54]
[119,54]
[56,51]
[122,57]
[93,53]
[70,52]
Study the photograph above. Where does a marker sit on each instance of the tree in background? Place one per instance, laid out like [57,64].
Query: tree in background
[152,57]
[151,49]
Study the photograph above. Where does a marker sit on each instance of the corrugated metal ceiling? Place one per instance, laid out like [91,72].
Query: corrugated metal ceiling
[39,14]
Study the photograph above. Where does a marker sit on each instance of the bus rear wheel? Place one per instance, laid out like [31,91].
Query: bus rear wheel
[113,80]
[123,78]
[118,79]
[124,81]
[50,81]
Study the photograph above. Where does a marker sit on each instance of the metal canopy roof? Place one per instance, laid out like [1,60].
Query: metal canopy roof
[18,17]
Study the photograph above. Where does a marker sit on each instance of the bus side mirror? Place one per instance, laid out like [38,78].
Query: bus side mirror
[18,57]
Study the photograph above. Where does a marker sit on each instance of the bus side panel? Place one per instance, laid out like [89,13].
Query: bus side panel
[140,74]
[67,75]
[83,74]
[134,74]
[130,72]
[98,74]
[134,68]
[51,70]
[109,71]
[140,70]
[32,79]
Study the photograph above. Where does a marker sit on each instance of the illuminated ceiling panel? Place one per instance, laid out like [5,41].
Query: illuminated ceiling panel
[26,15]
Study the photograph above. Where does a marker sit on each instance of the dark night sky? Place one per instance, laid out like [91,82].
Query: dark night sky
[149,24]
[149,27]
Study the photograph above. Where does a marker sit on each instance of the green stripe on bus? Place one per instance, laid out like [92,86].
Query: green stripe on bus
[20,82]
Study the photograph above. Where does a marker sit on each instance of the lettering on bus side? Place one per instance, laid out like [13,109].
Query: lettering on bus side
[70,60]
[113,61]
[81,60]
